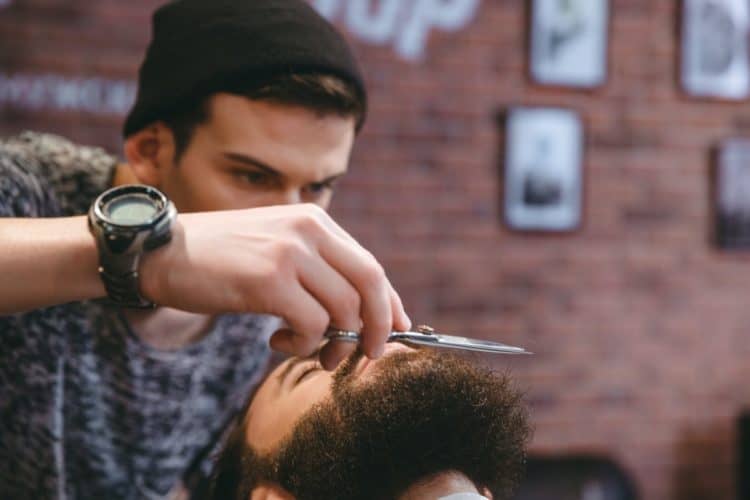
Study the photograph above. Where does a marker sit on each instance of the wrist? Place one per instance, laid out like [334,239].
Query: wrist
[84,261]
[155,265]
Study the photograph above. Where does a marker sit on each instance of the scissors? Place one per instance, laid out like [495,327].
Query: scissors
[426,335]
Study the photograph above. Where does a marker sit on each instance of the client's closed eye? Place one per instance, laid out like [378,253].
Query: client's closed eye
[310,368]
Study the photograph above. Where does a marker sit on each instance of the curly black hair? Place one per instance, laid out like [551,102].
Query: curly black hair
[425,413]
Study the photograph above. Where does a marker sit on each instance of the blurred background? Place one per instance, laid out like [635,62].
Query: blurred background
[566,175]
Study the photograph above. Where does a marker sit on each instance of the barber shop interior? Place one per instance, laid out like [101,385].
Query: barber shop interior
[375,249]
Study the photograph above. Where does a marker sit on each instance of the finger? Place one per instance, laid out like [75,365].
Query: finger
[291,343]
[340,299]
[336,229]
[377,323]
[401,321]
[334,352]
[361,269]
[307,319]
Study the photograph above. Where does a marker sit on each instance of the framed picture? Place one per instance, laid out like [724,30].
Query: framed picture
[543,169]
[715,48]
[569,42]
[733,194]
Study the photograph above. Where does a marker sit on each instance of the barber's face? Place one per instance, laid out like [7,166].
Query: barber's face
[293,388]
[253,153]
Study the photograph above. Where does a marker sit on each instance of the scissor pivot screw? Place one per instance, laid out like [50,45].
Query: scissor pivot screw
[425,329]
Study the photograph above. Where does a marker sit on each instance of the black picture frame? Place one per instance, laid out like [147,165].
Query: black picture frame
[543,169]
[732,194]
[569,43]
[715,49]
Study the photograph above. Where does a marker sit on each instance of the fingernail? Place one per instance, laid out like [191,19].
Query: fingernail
[407,321]
[378,352]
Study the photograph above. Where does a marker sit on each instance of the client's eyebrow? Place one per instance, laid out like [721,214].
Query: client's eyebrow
[294,362]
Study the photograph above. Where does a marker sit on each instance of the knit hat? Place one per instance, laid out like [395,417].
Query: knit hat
[201,47]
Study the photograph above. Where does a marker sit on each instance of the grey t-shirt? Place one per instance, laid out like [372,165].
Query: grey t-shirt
[87,410]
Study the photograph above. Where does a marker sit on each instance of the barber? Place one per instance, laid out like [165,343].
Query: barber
[137,298]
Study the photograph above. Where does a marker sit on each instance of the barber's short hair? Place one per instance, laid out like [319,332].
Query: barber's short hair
[320,93]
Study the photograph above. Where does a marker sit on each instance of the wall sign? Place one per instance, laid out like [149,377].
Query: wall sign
[405,24]
[94,95]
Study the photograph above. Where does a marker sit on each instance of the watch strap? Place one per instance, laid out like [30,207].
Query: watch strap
[122,290]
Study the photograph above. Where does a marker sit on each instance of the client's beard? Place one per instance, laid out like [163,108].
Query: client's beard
[418,413]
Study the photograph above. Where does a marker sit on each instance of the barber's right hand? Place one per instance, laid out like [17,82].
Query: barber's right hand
[291,261]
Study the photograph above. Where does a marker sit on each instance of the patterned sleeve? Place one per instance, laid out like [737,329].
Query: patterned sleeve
[43,175]
[22,194]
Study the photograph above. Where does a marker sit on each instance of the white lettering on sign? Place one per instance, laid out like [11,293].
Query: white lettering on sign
[61,93]
[404,23]
[371,26]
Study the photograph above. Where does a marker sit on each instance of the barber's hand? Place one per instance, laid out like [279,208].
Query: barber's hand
[291,261]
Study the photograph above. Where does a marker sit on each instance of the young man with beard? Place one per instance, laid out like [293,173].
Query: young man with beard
[245,119]
[414,424]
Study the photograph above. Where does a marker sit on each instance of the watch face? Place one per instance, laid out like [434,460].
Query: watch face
[131,210]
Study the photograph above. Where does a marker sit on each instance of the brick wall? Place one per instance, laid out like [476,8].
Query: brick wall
[639,326]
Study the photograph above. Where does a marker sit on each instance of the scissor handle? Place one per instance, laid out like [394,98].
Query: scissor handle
[344,335]
[349,336]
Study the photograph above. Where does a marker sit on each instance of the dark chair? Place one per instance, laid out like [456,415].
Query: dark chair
[575,478]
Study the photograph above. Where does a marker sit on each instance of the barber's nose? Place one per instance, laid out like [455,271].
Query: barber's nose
[291,197]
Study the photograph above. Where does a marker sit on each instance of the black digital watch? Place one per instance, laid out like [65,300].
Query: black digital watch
[127,221]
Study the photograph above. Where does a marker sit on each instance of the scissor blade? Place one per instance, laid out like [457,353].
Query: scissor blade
[454,342]
[435,340]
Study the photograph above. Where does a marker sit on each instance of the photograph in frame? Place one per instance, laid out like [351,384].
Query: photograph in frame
[543,169]
[714,62]
[569,41]
[733,195]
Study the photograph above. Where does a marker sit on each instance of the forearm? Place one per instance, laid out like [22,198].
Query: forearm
[45,262]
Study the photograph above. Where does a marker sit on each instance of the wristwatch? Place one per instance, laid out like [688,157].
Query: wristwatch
[127,221]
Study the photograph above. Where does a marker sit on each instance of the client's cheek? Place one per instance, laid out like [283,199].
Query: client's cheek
[313,390]
[271,420]
[265,430]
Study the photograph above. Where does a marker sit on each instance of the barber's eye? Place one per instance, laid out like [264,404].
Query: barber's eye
[255,178]
[318,187]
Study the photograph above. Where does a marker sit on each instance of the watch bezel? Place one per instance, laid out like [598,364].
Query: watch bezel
[157,197]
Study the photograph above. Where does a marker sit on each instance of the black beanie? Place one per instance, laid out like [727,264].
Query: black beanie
[201,47]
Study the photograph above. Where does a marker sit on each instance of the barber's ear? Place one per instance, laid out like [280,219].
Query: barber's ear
[266,491]
[150,152]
